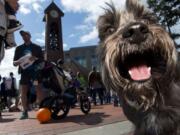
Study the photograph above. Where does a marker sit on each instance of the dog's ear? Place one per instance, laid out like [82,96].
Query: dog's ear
[139,11]
[107,22]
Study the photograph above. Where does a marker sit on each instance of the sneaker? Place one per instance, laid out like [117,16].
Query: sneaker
[14,25]
[24,116]
[9,41]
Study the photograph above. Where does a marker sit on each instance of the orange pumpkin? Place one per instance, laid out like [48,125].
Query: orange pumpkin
[43,115]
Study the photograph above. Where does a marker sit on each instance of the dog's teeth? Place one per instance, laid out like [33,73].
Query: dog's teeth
[130,72]
[149,69]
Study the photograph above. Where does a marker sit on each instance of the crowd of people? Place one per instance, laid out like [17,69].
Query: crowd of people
[92,85]
[9,91]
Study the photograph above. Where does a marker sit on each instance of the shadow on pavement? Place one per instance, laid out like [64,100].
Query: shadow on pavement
[89,119]
[92,107]
[3,120]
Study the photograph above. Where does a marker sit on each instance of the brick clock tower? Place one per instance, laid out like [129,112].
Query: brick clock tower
[53,33]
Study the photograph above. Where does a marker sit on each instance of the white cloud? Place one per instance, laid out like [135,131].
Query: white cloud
[40,38]
[72,35]
[37,7]
[26,6]
[41,41]
[24,10]
[89,36]
[82,27]
[65,46]
[93,9]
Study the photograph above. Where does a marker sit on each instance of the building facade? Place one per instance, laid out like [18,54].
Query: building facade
[86,56]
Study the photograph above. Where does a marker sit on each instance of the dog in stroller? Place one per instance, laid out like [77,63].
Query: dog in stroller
[61,97]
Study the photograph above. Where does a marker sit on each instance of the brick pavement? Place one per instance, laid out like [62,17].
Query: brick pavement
[76,120]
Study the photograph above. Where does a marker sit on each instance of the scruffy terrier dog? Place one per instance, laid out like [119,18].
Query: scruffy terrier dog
[139,61]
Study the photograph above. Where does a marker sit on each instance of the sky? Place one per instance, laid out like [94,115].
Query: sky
[78,24]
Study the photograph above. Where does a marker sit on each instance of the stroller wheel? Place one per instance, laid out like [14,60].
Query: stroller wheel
[85,106]
[58,109]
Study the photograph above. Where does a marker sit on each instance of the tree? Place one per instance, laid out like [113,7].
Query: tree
[168,13]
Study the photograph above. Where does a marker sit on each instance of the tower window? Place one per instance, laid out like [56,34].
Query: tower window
[53,34]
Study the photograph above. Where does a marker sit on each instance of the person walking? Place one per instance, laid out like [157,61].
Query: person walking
[82,81]
[1,100]
[11,85]
[95,85]
[12,92]
[28,56]
[4,92]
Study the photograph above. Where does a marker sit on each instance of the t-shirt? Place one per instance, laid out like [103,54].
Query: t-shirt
[8,83]
[23,50]
[82,81]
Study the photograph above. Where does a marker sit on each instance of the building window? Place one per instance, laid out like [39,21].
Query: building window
[81,60]
[68,59]
[94,60]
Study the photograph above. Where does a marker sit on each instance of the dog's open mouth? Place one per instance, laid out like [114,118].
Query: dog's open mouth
[140,72]
[141,66]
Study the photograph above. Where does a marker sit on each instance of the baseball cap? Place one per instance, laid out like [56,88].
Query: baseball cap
[22,33]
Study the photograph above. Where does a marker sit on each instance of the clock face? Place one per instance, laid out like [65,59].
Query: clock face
[54,13]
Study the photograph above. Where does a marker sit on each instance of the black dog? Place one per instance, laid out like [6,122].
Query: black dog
[139,61]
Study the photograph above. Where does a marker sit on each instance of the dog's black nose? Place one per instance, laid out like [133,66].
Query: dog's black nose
[136,32]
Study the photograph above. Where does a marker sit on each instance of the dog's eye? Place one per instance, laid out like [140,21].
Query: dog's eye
[110,30]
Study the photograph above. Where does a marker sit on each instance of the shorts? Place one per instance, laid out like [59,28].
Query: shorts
[28,77]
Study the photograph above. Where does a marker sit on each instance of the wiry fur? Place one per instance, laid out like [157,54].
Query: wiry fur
[152,105]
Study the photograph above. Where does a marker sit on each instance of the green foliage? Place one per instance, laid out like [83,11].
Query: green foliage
[168,13]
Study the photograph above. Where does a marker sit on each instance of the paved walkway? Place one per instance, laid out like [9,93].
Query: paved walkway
[100,120]
[118,128]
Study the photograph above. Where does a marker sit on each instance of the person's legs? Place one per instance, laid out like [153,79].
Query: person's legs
[37,83]
[100,94]
[94,96]
[24,91]
[17,100]
[5,98]
[109,98]
[24,102]
[17,103]
[24,87]
[39,93]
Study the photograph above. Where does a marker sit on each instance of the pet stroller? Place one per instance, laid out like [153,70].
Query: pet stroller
[61,96]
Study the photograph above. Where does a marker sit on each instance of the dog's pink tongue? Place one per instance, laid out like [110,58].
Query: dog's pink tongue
[141,72]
